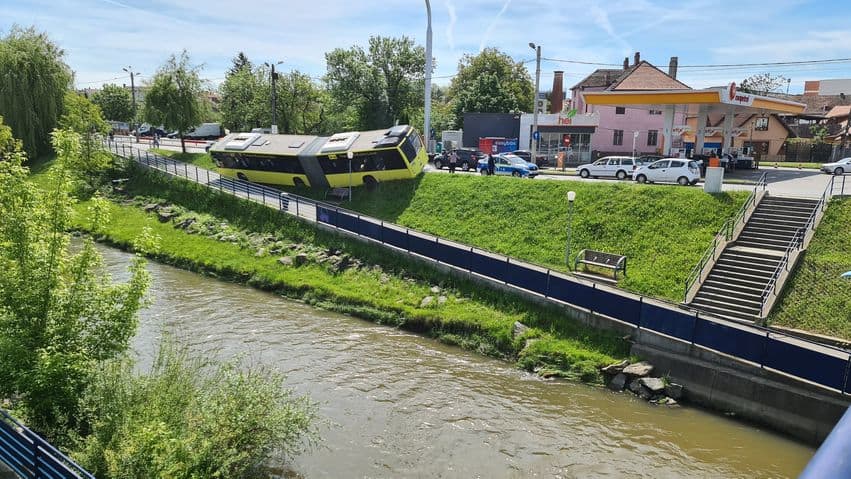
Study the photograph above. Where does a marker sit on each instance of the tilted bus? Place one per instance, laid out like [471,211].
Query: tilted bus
[301,160]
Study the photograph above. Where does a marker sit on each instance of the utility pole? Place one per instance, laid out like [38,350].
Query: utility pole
[427,106]
[537,49]
[133,96]
[274,97]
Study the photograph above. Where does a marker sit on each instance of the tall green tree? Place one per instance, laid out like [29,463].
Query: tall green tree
[240,62]
[115,102]
[9,145]
[246,97]
[60,314]
[33,81]
[302,105]
[384,84]
[85,118]
[471,88]
[173,99]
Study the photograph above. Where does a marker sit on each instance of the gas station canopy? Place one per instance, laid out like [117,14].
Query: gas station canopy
[724,100]
[720,100]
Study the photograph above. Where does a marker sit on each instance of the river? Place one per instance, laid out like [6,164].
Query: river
[400,405]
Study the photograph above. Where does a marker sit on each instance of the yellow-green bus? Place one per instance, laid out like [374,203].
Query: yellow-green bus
[298,160]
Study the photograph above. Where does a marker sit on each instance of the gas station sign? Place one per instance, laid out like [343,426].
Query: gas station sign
[733,97]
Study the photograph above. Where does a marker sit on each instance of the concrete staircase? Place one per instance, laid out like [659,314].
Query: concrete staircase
[735,286]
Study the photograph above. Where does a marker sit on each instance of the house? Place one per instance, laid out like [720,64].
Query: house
[767,134]
[619,127]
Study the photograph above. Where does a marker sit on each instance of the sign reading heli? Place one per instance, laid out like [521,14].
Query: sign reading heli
[733,97]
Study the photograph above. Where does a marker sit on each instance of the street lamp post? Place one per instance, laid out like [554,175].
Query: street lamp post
[537,49]
[350,155]
[571,195]
[427,106]
[274,97]
[133,96]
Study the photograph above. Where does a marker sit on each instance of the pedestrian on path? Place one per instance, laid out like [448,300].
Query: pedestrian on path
[491,164]
[453,160]
[156,140]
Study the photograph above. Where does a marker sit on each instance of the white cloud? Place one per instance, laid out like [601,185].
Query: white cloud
[492,25]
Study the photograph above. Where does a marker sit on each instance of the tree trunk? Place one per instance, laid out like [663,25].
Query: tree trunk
[182,143]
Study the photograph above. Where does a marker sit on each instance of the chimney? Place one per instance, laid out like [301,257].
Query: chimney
[557,101]
[672,67]
[625,63]
[811,88]
[637,57]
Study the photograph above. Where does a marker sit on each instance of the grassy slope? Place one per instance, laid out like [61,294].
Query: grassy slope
[663,230]
[201,160]
[816,298]
[472,316]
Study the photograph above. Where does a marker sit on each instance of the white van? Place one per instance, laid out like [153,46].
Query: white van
[205,131]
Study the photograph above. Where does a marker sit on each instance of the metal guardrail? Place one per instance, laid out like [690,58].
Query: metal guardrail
[30,456]
[816,363]
[723,235]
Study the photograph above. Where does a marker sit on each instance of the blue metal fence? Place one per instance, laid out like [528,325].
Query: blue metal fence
[30,456]
[818,363]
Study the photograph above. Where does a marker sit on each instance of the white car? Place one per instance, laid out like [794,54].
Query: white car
[669,170]
[838,167]
[619,167]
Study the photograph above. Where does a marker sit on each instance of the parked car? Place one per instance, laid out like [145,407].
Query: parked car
[669,170]
[467,158]
[619,167]
[146,131]
[266,131]
[647,159]
[838,167]
[508,164]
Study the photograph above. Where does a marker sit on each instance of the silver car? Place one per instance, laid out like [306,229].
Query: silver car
[838,167]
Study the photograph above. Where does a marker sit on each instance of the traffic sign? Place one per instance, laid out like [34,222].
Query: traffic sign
[536,135]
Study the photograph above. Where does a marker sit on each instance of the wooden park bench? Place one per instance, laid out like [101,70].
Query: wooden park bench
[614,262]
[339,193]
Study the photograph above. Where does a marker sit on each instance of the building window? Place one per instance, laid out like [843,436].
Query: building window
[619,110]
[617,138]
[655,112]
[761,124]
[652,137]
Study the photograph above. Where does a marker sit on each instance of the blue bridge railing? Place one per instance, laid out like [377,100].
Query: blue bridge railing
[30,456]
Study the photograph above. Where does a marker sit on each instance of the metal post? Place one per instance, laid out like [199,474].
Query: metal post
[350,155]
[427,106]
[537,49]
[133,96]
[570,197]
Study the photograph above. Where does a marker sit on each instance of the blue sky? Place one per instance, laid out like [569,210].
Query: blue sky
[102,36]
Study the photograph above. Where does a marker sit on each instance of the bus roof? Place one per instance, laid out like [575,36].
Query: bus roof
[294,145]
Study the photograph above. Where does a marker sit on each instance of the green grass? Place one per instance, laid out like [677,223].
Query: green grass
[764,165]
[390,291]
[816,299]
[201,160]
[663,230]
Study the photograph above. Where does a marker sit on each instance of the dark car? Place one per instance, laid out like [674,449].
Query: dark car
[647,159]
[467,158]
[525,154]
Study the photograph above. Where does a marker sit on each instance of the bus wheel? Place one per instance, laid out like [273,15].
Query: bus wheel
[240,175]
[370,182]
[299,183]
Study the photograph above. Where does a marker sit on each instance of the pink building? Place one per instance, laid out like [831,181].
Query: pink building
[618,125]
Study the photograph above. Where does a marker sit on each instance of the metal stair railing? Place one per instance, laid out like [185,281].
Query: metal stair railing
[30,456]
[795,246]
[724,235]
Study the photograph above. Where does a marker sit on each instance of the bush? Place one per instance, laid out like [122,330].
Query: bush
[189,418]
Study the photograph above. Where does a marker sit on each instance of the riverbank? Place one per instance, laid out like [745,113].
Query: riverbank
[256,245]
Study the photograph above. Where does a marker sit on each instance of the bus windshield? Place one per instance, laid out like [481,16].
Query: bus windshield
[412,146]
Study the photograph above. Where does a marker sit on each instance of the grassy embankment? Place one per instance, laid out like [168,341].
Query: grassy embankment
[201,160]
[816,298]
[385,288]
[663,230]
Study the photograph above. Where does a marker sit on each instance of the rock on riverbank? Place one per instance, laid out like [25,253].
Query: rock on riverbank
[637,379]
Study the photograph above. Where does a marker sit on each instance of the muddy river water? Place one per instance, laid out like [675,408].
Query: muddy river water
[396,404]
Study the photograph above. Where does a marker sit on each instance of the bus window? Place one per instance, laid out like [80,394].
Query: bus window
[412,146]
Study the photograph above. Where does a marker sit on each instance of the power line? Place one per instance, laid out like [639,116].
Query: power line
[719,65]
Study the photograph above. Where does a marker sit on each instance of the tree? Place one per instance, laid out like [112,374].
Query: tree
[115,102]
[9,145]
[85,118]
[33,81]
[491,68]
[384,84]
[240,62]
[301,105]
[486,93]
[60,314]
[246,98]
[173,99]
[763,83]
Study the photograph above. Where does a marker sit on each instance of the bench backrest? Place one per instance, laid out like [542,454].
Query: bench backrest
[601,257]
